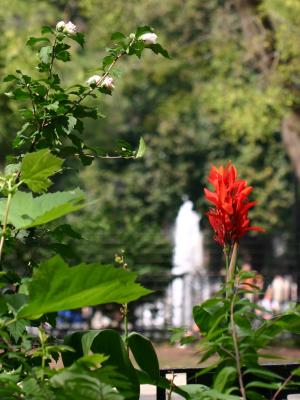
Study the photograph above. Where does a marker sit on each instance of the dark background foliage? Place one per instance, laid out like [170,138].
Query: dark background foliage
[230,92]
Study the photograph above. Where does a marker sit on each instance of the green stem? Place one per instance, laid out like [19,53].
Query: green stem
[226,251]
[43,339]
[236,348]
[4,225]
[230,275]
[125,313]
[12,321]
[84,95]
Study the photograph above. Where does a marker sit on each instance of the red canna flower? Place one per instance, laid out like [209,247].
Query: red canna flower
[229,218]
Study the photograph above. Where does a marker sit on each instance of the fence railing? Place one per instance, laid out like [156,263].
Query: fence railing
[191,376]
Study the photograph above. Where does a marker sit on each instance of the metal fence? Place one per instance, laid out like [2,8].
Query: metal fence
[191,376]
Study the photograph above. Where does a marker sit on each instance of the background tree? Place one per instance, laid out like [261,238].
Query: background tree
[226,94]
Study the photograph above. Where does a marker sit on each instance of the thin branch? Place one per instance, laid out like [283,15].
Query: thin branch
[84,95]
[282,386]
[108,157]
[52,58]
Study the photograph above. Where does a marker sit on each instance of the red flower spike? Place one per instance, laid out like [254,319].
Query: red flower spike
[229,217]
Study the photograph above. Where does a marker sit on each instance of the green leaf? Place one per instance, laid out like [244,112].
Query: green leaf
[142,148]
[107,61]
[27,211]
[263,373]
[263,385]
[118,36]
[45,54]
[46,29]
[109,342]
[87,341]
[144,354]
[33,40]
[158,49]
[194,389]
[63,231]
[92,360]
[225,377]
[17,328]
[216,395]
[81,384]
[15,301]
[10,78]
[79,38]
[37,167]
[55,286]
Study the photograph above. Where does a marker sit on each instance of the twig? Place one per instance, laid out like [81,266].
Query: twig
[171,386]
[84,95]
[282,386]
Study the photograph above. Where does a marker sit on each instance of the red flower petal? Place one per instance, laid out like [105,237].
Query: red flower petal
[229,219]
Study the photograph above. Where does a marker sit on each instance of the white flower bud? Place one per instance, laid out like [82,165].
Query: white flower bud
[149,38]
[94,80]
[60,26]
[70,28]
[108,83]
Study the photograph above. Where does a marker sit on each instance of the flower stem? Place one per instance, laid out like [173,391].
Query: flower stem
[232,267]
[226,251]
[236,348]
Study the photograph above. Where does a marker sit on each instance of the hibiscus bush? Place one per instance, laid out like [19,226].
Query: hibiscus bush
[96,363]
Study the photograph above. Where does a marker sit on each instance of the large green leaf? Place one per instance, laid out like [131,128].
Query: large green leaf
[110,343]
[56,286]
[27,211]
[144,354]
[37,167]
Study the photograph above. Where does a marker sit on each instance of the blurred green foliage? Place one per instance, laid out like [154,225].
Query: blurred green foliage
[217,99]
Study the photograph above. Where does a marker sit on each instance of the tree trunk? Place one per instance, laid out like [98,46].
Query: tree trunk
[290,132]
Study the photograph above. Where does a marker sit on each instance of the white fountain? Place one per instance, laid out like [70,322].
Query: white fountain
[188,267]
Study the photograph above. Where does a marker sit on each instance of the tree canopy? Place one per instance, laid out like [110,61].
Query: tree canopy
[229,92]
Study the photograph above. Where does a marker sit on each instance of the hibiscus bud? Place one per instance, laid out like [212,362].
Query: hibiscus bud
[94,80]
[70,28]
[108,83]
[60,26]
[149,38]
